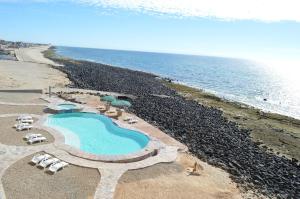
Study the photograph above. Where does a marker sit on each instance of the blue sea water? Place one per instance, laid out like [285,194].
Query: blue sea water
[234,79]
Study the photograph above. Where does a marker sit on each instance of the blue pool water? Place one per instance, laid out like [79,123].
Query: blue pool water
[235,79]
[97,134]
[66,106]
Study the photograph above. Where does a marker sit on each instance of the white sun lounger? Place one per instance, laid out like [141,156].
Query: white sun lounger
[46,163]
[36,139]
[24,117]
[128,119]
[30,121]
[132,121]
[24,127]
[32,135]
[57,166]
[38,157]
[20,124]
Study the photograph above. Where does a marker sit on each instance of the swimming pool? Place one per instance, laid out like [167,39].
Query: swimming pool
[66,106]
[97,134]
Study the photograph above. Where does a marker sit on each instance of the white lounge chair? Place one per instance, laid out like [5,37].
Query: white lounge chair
[32,135]
[132,121]
[46,163]
[40,157]
[30,121]
[24,117]
[128,119]
[20,124]
[24,127]
[57,166]
[36,139]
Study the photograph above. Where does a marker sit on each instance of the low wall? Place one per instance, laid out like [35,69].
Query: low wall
[22,90]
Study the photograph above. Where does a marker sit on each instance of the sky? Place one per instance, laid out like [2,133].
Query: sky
[253,29]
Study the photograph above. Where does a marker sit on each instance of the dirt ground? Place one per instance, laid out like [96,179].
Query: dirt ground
[170,181]
[24,181]
[11,109]
[21,98]
[10,136]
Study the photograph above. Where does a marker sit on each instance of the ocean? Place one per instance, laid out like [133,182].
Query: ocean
[238,80]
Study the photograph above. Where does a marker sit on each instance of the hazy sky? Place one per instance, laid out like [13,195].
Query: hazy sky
[255,29]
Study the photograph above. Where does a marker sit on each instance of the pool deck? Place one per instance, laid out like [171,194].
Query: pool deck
[110,172]
[149,178]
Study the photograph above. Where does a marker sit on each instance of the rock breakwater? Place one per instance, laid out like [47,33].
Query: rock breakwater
[209,135]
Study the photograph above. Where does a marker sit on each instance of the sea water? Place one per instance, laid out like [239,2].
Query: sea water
[239,80]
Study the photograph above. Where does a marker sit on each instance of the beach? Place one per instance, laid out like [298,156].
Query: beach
[255,154]
[30,72]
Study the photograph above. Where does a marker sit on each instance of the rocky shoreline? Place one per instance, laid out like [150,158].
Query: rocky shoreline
[207,133]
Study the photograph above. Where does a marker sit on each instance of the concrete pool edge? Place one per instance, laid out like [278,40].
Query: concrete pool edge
[151,149]
[56,108]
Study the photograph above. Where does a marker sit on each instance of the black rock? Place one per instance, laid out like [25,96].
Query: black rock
[209,135]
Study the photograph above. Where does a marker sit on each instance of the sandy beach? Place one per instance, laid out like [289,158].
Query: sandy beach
[32,71]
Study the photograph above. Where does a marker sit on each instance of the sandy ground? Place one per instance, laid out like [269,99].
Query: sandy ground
[31,72]
[8,109]
[10,136]
[21,98]
[169,181]
[33,54]
[22,180]
[26,75]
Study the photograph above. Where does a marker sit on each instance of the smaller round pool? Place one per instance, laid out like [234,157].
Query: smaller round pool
[66,106]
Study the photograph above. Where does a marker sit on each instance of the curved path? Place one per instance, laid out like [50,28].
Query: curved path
[33,54]
[110,172]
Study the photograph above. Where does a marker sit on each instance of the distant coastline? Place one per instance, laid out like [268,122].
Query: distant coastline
[235,80]
[245,115]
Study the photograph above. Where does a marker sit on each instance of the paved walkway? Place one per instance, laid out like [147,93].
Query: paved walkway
[110,172]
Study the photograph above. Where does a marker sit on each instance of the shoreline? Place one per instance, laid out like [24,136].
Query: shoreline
[209,92]
[232,110]
[264,113]
[239,139]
